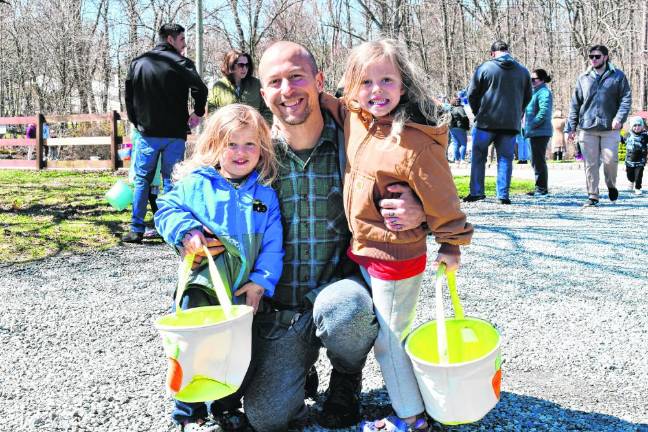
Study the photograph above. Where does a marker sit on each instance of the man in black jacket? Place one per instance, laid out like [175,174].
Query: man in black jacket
[157,95]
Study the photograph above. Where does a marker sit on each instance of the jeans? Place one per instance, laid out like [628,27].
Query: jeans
[395,305]
[539,163]
[192,411]
[599,147]
[342,321]
[522,148]
[149,149]
[459,139]
[504,145]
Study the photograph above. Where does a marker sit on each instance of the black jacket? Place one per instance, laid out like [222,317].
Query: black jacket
[157,92]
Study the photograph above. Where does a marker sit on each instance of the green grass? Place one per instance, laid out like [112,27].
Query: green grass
[48,212]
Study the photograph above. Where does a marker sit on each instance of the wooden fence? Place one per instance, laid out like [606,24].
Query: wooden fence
[114,140]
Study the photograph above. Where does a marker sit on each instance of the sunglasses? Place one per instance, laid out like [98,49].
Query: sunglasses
[242,65]
[595,56]
[535,79]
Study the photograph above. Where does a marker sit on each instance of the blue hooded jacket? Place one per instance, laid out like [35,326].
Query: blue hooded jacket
[537,116]
[246,220]
[498,93]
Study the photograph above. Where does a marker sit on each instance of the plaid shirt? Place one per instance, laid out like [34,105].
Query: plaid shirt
[316,235]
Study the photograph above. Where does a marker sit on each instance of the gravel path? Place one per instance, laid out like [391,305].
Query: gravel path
[567,287]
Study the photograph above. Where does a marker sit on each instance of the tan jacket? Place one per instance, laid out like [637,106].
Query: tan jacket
[419,161]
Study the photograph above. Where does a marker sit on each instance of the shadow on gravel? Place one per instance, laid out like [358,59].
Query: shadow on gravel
[518,413]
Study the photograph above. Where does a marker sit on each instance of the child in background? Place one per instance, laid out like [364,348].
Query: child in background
[383,90]
[223,190]
[636,142]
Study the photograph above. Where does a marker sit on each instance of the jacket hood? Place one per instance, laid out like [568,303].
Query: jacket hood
[438,134]
[505,61]
[212,174]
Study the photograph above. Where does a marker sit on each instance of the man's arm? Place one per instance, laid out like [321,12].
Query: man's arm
[574,110]
[128,96]
[199,91]
[474,92]
[625,105]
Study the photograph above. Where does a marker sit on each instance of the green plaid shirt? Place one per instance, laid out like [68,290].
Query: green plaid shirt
[316,235]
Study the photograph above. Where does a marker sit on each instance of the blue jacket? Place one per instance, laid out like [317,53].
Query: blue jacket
[246,219]
[498,93]
[636,149]
[537,117]
[597,101]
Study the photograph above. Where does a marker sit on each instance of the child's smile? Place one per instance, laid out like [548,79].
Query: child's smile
[381,88]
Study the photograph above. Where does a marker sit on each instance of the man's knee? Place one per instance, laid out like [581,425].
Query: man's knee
[346,303]
[265,417]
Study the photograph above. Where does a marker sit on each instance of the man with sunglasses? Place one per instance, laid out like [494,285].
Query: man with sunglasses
[600,105]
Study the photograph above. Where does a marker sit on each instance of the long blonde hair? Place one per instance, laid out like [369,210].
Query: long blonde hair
[216,136]
[414,85]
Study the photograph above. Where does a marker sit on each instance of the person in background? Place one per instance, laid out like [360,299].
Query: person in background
[537,128]
[157,95]
[238,85]
[499,91]
[636,142]
[599,106]
[558,149]
[154,189]
[459,126]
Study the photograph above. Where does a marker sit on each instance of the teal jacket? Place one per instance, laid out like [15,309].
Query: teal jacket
[246,219]
[537,116]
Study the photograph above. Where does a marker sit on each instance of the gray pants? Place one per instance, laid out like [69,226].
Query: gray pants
[342,321]
[597,147]
[395,306]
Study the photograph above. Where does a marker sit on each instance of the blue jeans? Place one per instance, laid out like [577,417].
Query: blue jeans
[149,149]
[504,144]
[192,411]
[459,141]
[342,321]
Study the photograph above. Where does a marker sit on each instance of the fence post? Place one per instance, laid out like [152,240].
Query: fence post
[40,119]
[114,139]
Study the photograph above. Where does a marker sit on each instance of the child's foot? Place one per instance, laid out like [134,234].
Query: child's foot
[396,424]
[637,191]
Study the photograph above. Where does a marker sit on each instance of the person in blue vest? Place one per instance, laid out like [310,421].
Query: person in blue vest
[537,128]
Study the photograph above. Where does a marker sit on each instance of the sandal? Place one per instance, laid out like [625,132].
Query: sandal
[395,424]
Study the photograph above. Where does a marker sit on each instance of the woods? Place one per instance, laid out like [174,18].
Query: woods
[71,56]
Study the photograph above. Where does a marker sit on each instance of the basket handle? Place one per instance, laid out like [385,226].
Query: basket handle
[442,338]
[222,293]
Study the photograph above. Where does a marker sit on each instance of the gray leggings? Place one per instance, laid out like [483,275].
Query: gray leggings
[342,321]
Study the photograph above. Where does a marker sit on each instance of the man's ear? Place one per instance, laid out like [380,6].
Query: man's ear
[263,95]
[319,81]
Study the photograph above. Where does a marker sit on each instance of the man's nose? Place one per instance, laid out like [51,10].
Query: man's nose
[286,86]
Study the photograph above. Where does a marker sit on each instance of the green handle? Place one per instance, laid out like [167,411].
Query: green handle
[451,277]
[222,293]
[442,342]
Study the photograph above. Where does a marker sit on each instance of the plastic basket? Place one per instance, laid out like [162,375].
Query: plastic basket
[456,361]
[208,348]
[120,195]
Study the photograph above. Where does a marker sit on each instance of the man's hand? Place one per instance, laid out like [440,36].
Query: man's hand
[451,261]
[616,124]
[571,135]
[402,213]
[194,120]
[253,294]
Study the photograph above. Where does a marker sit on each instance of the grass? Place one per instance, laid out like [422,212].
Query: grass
[48,212]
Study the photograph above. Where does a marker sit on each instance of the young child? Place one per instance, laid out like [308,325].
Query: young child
[636,142]
[382,91]
[223,190]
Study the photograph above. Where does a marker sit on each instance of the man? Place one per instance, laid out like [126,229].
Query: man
[320,300]
[600,105]
[498,94]
[157,93]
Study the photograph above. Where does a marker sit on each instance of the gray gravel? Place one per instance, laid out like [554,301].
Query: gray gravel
[567,287]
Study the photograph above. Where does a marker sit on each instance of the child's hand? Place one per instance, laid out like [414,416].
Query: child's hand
[451,261]
[253,294]
[193,241]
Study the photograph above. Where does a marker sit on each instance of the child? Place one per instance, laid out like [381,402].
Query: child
[636,142]
[223,190]
[382,91]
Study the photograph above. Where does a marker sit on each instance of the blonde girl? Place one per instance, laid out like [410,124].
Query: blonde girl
[387,117]
[223,190]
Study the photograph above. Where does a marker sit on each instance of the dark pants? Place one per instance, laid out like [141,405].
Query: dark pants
[635,175]
[192,411]
[539,163]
